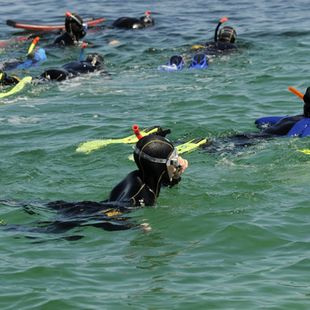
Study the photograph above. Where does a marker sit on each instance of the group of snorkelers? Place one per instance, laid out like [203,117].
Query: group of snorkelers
[157,160]
[223,42]
[75,30]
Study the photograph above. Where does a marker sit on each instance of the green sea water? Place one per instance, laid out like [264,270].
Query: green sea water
[234,234]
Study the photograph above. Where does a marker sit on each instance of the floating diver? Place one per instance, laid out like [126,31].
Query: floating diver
[158,165]
[134,23]
[223,42]
[35,56]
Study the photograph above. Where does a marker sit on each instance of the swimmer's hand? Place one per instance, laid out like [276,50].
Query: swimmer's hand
[182,166]
[183,163]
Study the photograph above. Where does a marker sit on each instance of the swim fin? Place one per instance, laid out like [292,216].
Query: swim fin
[90,146]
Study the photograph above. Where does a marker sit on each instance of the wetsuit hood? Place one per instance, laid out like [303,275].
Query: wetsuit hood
[74,26]
[151,154]
[227,34]
[307,103]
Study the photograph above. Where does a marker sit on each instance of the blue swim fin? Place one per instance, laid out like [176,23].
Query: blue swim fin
[199,61]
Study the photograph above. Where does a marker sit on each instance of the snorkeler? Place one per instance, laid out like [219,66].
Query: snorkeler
[158,165]
[35,56]
[271,127]
[288,125]
[75,30]
[224,39]
[134,23]
[93,62]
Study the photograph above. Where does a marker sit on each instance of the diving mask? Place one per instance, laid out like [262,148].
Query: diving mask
[174,168]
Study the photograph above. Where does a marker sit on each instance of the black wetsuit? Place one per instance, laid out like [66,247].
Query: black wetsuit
[133,191]
[133,23]
[65,39]
[69,71]
[112,214]
[215,48]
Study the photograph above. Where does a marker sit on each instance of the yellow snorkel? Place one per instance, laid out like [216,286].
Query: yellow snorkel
[32,46]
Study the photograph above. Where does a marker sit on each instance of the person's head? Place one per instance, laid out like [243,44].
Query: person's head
[307,103]
[74,25]
[147,19]
[227,34]
[157,160]
[95,59]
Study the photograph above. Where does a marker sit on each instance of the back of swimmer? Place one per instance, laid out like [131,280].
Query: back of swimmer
[75,30]
[288,125]
[134,23]
[93,62]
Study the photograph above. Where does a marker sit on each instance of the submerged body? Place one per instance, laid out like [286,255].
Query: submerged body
[93,62]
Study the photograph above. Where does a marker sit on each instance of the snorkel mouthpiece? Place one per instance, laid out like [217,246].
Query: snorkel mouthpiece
[136,131]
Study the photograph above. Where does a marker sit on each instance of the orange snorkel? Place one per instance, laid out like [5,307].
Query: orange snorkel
[296,92]
[224,19]
[136,131]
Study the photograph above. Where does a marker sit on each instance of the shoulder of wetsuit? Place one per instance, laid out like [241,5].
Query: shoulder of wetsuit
[132,189]
[64,39]
[127,188]
[79,67]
